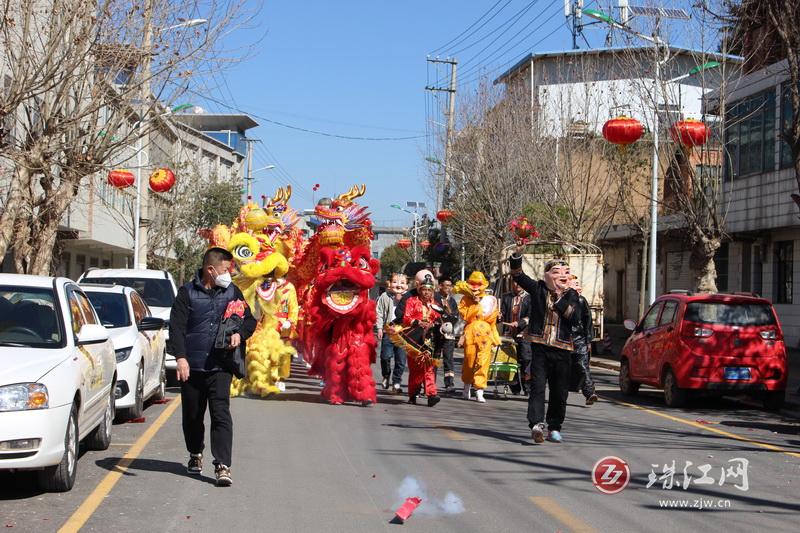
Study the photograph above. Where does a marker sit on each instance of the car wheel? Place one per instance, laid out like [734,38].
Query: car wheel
[627,386]
[674,396]
[100,438]
[61,477]
[773,400]
[138,403]
[161,391]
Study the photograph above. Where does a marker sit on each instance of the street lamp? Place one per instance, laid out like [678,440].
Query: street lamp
[416,219]
[191,23]
[658,43]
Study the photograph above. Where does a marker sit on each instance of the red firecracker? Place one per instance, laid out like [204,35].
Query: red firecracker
[444,216]
[623,130]
[404,243]
[162,180]
[121,178]
[689,133]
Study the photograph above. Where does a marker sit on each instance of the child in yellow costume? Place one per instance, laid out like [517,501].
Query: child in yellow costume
[480,311]
[288,312]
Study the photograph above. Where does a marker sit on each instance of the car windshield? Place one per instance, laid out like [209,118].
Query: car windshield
[28,317]
[155,292]
[111,308]
[730,314]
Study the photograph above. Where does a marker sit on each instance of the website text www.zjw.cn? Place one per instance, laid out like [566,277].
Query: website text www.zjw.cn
[697,503]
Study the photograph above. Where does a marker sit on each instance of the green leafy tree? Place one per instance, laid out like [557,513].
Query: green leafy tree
[393,259]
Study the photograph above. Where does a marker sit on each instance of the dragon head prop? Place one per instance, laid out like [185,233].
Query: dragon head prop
[257,260]
[345,277]
[340,215]
[282,226]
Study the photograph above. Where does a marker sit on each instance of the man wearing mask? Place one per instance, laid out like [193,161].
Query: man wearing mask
[387,351]
[552,307]
[514,309]
[204,370]
[444,336]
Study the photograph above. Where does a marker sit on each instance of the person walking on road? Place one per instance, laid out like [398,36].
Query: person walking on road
[385,307]
[514,311]
[552,306]
[582,333]
[444,336]
[205,371]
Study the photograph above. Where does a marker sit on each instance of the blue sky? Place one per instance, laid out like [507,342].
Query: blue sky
[357,68]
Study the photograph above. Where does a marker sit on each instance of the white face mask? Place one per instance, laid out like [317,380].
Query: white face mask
[223,280]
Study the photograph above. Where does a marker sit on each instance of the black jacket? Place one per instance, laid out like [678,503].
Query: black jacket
[582,328]
[565,306]
[194,322]
[400,307]
[507,311]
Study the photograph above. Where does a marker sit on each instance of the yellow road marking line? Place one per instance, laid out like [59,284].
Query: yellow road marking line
[704,427]
[93,500]
[559,513]
[451,433]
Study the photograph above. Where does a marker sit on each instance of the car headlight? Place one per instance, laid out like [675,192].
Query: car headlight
[23,396]
[123,353]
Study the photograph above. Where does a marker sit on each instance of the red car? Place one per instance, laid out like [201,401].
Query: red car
[709,342]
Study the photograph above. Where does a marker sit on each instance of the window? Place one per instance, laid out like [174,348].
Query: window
[111,308]
[651,318]
[140,310]
[784,252]
[157,292]
[80,263]
[88,311]
[747,260]
[758,269]
[94,262]
[787,115]
[721,264]
[730,314]
[668,315]
[29,317]
[750,136]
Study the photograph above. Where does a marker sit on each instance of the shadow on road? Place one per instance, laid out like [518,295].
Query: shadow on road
[150,465]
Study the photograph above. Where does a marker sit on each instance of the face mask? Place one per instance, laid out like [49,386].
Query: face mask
[223,280]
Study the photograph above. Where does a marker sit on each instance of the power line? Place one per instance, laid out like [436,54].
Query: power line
[508,23]
[444,48]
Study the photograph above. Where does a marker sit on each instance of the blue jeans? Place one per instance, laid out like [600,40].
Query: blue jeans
[389,351]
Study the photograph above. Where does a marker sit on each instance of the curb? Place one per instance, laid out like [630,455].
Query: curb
[791,406]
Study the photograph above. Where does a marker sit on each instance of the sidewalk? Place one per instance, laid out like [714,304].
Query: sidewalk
[610,360]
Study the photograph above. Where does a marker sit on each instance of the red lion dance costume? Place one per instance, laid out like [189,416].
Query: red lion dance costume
[333,278]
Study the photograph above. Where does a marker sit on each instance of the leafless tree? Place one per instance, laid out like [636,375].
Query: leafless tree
[82,81]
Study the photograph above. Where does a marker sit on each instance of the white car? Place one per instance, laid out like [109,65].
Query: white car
[156,287]
[57,375]
[139,345]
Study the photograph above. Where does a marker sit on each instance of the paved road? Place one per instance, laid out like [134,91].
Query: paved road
[301,465]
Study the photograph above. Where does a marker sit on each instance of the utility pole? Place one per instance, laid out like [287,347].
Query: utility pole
[451,122]
[574,9]
[249,177]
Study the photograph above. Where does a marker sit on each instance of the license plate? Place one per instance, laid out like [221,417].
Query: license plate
[737,373]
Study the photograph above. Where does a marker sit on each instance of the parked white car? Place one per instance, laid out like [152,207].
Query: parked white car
[156,287]
[57,375]
[139,345]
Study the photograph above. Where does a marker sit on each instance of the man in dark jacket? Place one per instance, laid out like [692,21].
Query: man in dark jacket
[582,334]
[203,370]
[444,335]
[514,310]
[552,307]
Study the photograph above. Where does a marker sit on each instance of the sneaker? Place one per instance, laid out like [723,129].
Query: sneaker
[282,386]
[412,399]
[554,436]
[479,396]
[537,433]
[433,400]
[396,389]
[195,465]
[467,394]
[591,399]
[385,383]
[223,474]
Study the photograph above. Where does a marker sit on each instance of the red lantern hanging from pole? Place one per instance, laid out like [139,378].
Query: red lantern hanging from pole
[444,215]
[404,243]
[162,180]
[425,244]
[623,130]
[121,178]
[690,133]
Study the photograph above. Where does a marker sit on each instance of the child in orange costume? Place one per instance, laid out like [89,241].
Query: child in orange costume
[480,311]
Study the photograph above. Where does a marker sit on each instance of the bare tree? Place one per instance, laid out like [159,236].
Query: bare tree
[84,80]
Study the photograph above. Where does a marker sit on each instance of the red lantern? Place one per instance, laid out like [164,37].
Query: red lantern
[404,243]
[623,130]
[162,180]
[444,215]
[425,244]
[689,133]
[121,178]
